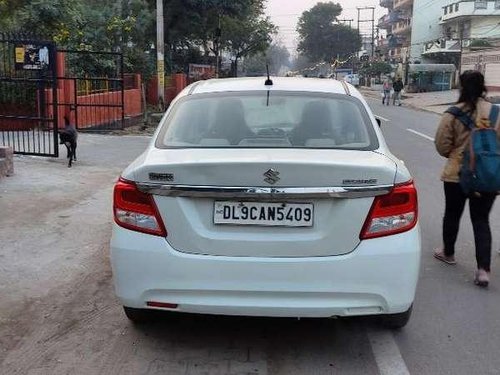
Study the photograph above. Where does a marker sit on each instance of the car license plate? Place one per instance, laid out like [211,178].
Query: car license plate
[264,213]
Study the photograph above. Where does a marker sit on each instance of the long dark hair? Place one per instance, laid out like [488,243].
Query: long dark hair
[472,88]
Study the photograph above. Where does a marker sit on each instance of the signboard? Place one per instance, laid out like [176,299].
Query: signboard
[199,71]
[32,57]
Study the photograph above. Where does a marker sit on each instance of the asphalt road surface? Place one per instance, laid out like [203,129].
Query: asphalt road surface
[58,314]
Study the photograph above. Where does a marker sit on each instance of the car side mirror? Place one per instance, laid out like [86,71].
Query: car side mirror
[379,122]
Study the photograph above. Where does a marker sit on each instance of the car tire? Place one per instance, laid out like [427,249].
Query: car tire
[396,321]
[137,316]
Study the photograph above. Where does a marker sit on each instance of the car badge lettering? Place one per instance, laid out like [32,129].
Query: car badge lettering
[372,181]
[167,177]
[271,176]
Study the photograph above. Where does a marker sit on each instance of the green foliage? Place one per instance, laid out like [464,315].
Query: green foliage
[376,68]
[54,19]
[191,29]
[276,57]
[324,40]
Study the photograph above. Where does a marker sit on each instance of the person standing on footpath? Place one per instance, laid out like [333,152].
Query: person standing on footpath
[386,91]
[451,139]
[398,87]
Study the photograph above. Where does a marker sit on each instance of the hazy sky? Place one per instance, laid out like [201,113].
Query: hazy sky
[285,14]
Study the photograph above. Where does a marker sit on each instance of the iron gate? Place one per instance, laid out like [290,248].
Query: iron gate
[28,96]
[93,87]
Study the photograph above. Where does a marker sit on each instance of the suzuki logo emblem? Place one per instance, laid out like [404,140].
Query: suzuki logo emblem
[271,176]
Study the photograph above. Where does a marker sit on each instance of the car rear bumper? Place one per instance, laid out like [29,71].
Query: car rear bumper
[379,277]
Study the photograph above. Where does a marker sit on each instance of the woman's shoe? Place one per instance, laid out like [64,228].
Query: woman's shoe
[439,255]
[482,278]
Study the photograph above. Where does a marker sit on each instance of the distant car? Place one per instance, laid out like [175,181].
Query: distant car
[275,200]
[353,79]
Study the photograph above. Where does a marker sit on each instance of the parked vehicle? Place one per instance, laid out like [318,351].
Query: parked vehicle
[353,79]
[267,200]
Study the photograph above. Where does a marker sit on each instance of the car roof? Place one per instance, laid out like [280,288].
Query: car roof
[293,84]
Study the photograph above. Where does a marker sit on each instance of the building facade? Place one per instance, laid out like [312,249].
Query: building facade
[395,47]
[437,31]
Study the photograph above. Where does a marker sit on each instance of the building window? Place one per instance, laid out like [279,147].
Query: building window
[480,4]
[457,7]
[451,9]
[497,4]
[445,11]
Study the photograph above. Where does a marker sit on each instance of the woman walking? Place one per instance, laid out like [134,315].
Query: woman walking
[451,139]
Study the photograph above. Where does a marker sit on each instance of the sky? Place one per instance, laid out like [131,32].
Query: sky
[285,14]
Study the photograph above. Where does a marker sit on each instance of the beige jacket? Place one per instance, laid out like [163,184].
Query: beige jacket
[452,137]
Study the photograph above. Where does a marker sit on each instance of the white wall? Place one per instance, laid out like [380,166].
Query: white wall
[485,27]
[426,26]
[487,61]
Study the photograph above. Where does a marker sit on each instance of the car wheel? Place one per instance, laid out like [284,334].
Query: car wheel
[137,316]
[396,321]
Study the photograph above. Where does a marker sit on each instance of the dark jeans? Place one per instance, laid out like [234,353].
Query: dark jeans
[480,208]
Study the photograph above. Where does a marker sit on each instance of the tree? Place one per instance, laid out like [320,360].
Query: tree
[321,38]
[54,19]
[246,37]
[376,68]
[276,57]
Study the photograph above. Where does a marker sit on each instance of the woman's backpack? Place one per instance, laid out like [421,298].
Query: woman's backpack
[480,171]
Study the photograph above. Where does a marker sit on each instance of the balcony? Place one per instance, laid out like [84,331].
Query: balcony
[386,3]
[470,8]
[383,22]
[397,15]
[402,27]
[441,47]
[403,4]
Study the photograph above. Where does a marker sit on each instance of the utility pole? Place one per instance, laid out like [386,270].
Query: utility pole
[218,34]
[160,54]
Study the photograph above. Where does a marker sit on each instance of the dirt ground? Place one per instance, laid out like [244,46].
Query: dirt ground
[54,230]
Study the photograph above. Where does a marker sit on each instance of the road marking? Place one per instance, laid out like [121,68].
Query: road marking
[421,134]
[382,118]
[386,353]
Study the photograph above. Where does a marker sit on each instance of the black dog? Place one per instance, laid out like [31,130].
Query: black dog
[69,137]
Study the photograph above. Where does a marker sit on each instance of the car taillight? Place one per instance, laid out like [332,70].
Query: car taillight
[392,213]
[136,210]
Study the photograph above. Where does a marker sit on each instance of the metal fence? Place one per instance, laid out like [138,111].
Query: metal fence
[28,95]
[93,89]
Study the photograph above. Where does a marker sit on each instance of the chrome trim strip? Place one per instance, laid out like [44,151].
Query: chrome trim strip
[346,88]
[264,192]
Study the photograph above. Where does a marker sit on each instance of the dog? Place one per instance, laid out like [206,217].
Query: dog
[69,137]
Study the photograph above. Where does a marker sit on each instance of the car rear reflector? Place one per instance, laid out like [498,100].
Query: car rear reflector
[163,305]
[136,210]
[392,213]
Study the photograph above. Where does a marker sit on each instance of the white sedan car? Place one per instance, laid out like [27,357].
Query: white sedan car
[264,198]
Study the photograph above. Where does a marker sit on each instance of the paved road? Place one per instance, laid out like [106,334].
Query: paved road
[58,314]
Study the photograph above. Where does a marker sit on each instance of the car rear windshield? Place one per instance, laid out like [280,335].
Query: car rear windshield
[268,120]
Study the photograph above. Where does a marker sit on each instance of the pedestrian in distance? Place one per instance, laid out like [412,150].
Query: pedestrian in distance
[454,141]
[386,91]
[398,87]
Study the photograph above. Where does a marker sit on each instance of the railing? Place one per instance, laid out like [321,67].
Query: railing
[471,8]
[402,3]
[402,27]
[383,22]
[480,4]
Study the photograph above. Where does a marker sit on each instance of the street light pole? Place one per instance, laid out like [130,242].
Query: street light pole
[160,54]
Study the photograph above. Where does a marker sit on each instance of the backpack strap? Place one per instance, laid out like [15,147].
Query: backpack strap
[495,110]
[463,117]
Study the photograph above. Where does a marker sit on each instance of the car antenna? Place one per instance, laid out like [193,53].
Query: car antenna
[269,81]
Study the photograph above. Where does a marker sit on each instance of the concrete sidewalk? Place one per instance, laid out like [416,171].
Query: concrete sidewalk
[435,102]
